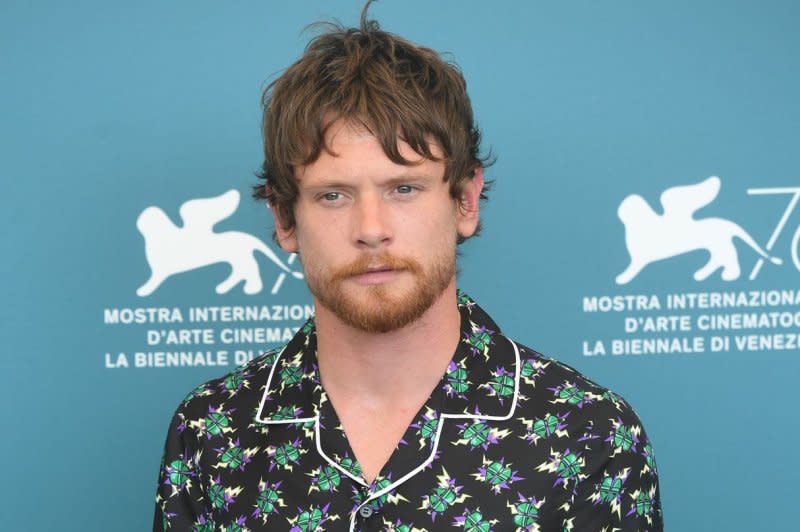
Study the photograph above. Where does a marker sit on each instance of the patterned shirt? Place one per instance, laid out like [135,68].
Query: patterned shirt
[508,440]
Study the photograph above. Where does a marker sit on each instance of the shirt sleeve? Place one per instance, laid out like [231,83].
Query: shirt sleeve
[620,488]
[180,498]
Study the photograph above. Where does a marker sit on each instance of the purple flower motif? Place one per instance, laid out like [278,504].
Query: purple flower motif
[266,489]
[622,437]
[571,394]
[543,427]
[234,456]
[284,454]
[227,498]
[316,517]
[569,467]
[642,505]
[498,475]
[178,472]
[398,523]
[472,520]
[478,434]
[530,371]
[456,384]
[527,509]
[427,427]
[479,339]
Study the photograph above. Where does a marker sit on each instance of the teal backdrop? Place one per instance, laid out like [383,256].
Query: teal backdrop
[111,108]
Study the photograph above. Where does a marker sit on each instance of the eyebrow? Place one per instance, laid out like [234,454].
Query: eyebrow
[396,180]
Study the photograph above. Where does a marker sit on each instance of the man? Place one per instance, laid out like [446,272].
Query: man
[400,405]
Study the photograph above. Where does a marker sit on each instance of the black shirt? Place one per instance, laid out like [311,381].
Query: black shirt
[509,440]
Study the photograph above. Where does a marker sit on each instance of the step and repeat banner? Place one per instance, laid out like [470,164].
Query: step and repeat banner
[643,227]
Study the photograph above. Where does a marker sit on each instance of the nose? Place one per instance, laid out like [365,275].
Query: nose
[371,224]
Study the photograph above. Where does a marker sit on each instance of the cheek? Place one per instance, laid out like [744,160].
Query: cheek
[323,245]
[446,221]
[438,231]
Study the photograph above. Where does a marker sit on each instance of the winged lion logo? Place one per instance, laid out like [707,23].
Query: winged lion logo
[170,249]
[651,237]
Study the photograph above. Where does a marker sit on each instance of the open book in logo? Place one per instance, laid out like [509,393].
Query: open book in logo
[171,249]
[651,237]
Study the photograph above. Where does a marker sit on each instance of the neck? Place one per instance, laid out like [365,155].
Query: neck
[398,366]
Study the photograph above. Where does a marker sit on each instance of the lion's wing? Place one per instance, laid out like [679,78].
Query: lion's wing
[202,213]
[683,201]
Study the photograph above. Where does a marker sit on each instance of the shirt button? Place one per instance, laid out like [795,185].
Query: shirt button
[365,512]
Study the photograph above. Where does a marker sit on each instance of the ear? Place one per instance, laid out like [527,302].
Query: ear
[287,237]
[469,204]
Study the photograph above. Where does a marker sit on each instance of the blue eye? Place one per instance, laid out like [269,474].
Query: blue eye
[405,189]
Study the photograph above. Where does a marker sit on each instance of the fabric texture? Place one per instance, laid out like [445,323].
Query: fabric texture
[508,440]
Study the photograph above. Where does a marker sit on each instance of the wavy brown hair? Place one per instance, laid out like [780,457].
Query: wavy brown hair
[381,81]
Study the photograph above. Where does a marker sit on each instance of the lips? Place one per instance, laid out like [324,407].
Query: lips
[373,269]
[376,275]
[382,267]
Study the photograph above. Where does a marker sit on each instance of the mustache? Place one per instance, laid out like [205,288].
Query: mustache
[367,263]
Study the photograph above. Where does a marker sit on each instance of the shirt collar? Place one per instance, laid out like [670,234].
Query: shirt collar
[481,381]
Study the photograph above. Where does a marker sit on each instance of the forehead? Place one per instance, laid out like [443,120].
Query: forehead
[353,151]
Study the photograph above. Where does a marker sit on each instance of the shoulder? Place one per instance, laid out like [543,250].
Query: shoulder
[198,441]
[215,404]
[562,385]
[597,445]
[597,417]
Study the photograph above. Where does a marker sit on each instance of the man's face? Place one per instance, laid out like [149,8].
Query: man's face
[377,239]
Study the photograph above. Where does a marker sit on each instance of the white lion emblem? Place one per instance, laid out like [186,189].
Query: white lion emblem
[171,249]
[651,237]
